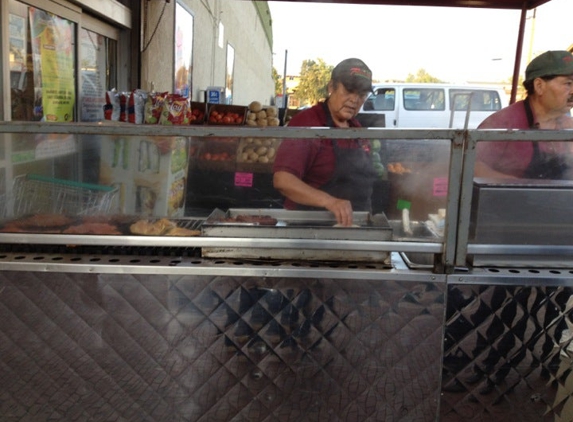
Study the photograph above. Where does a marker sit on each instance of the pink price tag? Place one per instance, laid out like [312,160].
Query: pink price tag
[244,179]
[440,187]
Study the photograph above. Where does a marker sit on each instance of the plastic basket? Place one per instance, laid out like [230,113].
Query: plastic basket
[38,194]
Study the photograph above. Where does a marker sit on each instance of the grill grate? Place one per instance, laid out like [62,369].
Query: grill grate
[101,250]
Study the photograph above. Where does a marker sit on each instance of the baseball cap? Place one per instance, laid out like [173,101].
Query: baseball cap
[353,74]
[550,63]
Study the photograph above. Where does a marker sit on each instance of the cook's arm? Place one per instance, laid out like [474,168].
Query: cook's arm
[298,191]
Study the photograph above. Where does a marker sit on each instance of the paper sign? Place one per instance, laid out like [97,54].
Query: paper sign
[244,179]
[440,186]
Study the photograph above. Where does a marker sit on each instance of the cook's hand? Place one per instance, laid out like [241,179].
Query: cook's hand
[342,210]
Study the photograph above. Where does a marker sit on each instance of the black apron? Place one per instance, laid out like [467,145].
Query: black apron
[543,165]
[354,174]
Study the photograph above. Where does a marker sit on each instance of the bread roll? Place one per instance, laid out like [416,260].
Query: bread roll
[255,106]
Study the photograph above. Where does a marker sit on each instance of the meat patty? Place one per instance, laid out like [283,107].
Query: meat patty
[40,221]
[263,220]
[93,228]
[149,228]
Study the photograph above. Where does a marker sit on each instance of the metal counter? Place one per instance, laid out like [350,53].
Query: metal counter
[220,341]
[186,339]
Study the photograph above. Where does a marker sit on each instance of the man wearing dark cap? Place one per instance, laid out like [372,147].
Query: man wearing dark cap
[332,174]
[549,86]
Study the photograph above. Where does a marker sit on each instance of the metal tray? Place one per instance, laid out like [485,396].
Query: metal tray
[420,232]
[297,225]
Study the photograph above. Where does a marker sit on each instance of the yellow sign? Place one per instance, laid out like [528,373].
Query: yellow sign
[53,50]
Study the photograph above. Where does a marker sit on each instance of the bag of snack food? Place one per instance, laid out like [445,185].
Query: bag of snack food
[153,107]
[111,108]
[174,110]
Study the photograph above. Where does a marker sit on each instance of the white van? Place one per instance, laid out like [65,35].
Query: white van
[431,105]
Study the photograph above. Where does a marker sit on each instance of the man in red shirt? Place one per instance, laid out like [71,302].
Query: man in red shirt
[332,174]
[549,86]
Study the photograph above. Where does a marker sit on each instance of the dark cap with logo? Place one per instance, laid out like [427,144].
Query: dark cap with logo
[354,75]
[550,63]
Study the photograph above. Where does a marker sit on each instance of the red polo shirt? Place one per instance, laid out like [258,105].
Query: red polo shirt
[311,160]
[512,157]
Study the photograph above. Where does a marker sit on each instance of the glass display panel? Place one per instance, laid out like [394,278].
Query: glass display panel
[176,177]
[521,193]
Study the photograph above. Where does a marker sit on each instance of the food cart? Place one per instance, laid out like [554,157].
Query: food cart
[440,317]
[246,321]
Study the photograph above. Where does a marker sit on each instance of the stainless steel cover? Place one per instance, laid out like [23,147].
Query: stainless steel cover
[297,225]
[535,212]
[521,212]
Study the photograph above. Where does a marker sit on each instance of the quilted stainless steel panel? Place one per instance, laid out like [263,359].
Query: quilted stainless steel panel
[112,347]
[508,354]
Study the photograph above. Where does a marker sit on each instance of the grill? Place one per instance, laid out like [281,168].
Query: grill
[297,225]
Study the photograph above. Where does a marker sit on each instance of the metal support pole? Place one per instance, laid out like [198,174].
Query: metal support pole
[518,49]
[284,82]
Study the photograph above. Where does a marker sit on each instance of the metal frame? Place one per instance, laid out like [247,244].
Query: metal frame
[453,249]
[463,248]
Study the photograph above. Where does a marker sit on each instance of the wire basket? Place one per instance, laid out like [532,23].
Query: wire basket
[38,194]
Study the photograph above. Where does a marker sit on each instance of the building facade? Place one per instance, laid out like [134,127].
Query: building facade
[59,58]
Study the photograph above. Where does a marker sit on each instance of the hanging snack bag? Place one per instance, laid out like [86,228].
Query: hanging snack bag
[136,106]
[111,108]
[174,111]
[123,106]
[153,107]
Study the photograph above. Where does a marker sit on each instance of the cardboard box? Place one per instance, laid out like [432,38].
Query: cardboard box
[150,172]
[238,114]
[199,111]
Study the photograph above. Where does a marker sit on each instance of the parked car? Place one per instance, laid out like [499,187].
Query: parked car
[406,105]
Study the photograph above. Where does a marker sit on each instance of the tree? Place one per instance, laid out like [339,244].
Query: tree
[422,76]
[314,77]
[278,82]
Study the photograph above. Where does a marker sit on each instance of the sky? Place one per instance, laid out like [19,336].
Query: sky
[456,45]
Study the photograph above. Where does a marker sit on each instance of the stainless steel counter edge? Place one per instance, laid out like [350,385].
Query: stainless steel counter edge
[113,264]
[479,249]
[128,129]
[231,242]
[522,276]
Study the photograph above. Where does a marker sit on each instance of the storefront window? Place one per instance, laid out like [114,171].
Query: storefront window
[21,74]
[230,74]
[97,59]
[183,52]
[42,66]
[53,58]
[43,73]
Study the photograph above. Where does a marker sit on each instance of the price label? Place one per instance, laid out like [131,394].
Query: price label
[440,186]
[244,179]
